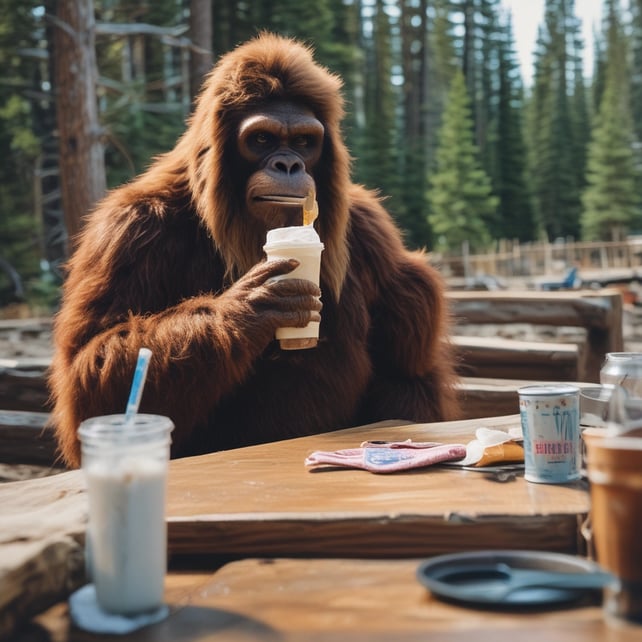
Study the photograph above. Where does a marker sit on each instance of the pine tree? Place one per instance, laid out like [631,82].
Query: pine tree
[142,107]
[462,205]
[20,228]
[515,214]
[443,60]
[581,118]
[377,159]
[611,200]
[599,66]
[553,147]
[636,65]
[413,150]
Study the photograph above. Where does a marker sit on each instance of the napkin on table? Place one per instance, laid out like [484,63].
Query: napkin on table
[388,457]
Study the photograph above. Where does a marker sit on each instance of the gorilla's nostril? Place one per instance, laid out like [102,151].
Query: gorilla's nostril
[287,164]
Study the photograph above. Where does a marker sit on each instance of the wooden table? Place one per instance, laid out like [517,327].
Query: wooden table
[335,600]
[262,501]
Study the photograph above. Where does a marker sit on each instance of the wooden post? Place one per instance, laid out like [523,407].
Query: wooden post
[465,251]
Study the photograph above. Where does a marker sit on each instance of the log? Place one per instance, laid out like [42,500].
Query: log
[567,308]
[27,441]
[487,397]
[514,359]
[26,438]
[41,545]
[23,384]
[599,312]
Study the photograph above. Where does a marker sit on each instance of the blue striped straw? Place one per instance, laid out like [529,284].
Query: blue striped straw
[138,383]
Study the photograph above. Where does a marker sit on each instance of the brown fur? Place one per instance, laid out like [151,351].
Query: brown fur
[167,261]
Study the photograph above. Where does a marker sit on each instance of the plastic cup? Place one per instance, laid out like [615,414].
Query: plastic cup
[125,464]
[623,369]
[594,405]
[301,243]
[595,402]
[614,466]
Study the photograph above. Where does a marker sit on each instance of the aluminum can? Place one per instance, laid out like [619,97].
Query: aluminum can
[550,417]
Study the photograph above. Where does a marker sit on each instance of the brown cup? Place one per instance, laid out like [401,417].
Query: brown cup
[614,465]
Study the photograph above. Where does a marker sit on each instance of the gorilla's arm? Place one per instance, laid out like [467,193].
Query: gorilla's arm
[133,283]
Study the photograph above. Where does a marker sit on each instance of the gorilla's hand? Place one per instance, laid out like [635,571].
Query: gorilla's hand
[260,302]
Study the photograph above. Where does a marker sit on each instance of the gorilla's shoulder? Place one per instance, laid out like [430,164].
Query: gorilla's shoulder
[146,212]
[372,228]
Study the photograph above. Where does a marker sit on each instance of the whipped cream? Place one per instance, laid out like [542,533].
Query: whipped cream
[292,236]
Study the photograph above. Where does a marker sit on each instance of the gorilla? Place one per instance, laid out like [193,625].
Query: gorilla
[173,261]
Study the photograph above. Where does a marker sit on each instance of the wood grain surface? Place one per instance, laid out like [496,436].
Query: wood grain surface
[505,358]
[41,544]
[331,599]
[599,312]
[262,500]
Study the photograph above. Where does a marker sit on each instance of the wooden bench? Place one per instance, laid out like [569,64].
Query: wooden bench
[486,362]
[485,397]
[23,384]
[26,438]
[599,313]
[501,358]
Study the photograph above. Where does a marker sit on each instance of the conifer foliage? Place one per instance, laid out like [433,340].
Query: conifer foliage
[611,202]
[556,155]
[462,205]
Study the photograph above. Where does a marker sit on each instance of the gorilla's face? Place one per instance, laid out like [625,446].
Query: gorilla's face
[280,144]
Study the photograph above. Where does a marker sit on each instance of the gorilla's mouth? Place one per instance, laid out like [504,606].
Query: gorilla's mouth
[281,199]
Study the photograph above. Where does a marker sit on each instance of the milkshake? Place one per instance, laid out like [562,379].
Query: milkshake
[301,243]
[125,465]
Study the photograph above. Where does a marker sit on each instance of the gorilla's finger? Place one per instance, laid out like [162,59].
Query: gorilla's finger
[293,287]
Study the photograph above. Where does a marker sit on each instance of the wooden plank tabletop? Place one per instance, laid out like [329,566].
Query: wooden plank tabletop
[332,599]
[262,500]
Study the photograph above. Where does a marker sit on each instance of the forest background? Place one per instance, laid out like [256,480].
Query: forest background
[438,118]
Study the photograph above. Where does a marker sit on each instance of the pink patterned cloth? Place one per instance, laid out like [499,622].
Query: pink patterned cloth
[388,457]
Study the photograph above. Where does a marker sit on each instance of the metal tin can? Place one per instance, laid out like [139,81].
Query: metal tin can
[551,426]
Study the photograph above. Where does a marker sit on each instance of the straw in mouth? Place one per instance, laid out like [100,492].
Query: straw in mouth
[310,209]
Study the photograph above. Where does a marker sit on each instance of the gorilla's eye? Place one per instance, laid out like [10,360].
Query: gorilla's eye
[301,141]
[262,138]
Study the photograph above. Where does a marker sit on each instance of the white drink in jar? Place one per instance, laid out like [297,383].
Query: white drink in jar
[126,470]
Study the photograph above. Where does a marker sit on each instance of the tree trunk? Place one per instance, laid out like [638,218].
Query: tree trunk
[82,162]
[200,28]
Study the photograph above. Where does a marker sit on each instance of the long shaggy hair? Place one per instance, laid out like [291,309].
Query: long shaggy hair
[267,68]
[158,263]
